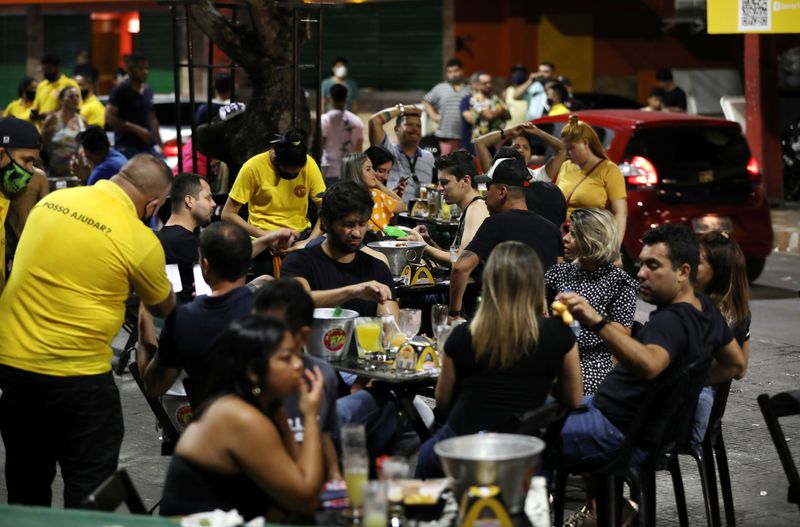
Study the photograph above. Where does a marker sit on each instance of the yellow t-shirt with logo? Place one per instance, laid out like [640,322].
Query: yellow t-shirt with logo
[19,109]
[93,111]
[5,204]
[46,100]
[82,251]
[273,202]
[604,184]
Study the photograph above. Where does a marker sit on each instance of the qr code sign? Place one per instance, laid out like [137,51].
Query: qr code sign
[755,15]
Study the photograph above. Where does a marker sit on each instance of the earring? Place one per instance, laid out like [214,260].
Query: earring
[256,391]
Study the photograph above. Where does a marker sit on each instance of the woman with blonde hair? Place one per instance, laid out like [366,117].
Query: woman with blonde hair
[591,245]
[503,363]
[588,179]
[358,168]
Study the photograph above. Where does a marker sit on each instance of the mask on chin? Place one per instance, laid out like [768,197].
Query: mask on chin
[84,94]
[30,94]
[51,77]
[456,80]
[15,178]
[518,78]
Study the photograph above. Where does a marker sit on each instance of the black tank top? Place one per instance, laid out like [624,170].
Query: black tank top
[190,488]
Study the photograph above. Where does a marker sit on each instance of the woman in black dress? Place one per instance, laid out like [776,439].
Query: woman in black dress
[503,363]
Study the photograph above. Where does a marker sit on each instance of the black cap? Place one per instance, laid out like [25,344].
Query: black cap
[93,139]
[16,133]
[506,171]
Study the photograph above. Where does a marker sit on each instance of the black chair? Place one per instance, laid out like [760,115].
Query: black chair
[130,326]
[704,455]
[675,396]
[546,422]
[170,432]
[783,404]
[113,492]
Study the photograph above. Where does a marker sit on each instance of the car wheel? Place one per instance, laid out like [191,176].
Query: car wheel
[755,266]
[630,267]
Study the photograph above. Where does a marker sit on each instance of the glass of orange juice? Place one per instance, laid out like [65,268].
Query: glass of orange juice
[369,339]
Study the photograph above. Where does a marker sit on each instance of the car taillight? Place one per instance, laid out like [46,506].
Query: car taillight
[754,169]
[639,170]
[171,148]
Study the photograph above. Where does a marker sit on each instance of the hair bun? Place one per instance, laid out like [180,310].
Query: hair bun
[573,119]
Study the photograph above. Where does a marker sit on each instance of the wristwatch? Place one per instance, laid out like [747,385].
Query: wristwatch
[402,109]
[456,313]
[600,325]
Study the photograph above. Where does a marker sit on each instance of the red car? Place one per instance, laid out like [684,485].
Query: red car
[683,168]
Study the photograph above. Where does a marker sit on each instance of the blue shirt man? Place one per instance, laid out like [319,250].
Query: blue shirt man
[106,161]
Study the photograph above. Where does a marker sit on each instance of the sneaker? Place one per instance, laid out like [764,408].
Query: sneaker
[583,517]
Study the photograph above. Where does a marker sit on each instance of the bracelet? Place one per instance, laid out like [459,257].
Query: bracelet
[454,313]
[600,325]
[386,116]
[402,109]
[502,134]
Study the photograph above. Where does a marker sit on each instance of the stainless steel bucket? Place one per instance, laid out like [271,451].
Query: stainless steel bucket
[506,460]
[399,253]
[330,335]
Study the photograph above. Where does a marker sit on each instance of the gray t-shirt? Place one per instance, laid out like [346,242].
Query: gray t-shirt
[417,168]
[447,102]
[328,418]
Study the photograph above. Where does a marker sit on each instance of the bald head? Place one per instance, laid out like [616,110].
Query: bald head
[147,180]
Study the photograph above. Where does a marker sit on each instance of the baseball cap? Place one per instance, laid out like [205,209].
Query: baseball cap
[506,171]
[16,133]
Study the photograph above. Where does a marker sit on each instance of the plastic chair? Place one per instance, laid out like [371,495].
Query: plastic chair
[171,434]
[680,391]
[113,492]
[704,454]
[783,404]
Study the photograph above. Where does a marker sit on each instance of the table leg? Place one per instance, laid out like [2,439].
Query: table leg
[406,400]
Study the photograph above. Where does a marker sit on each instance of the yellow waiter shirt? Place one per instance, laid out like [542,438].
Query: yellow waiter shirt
[93,111]
[46,100]
[81,251]
[19,109]
[5,204]
[273,202]
[604,185]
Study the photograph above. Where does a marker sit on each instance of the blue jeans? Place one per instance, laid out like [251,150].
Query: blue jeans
[428,464]
[702,414]
[589,438]
[376,413]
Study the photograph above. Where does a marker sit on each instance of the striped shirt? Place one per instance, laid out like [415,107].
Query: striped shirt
[447,102]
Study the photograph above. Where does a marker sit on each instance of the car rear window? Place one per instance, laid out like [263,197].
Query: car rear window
[695,163]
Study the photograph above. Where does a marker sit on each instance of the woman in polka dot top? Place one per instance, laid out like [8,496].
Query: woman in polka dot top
[592,246]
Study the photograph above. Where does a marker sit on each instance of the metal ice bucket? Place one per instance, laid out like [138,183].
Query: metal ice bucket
[399,253]
[506,460]
[330,335]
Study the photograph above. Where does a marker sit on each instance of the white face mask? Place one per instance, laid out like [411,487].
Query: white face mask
[340,71]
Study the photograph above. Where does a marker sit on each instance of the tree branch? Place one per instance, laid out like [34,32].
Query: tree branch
[226,35]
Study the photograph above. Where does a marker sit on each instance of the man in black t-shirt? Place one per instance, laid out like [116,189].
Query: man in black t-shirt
[192,206]
[510,220]
[336,272]
[131,114]
[190,331]
[683,328]
[674,99]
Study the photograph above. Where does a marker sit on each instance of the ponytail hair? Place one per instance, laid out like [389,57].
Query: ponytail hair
[576,131]
[291,149]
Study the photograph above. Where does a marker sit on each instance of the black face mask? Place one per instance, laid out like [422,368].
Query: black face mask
[51,77]
[30,94]
[287,175]
[84,94]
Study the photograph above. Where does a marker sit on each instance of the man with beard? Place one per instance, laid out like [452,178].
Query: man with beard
[46,100]
[414,166]
[336,272]
[442,104]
